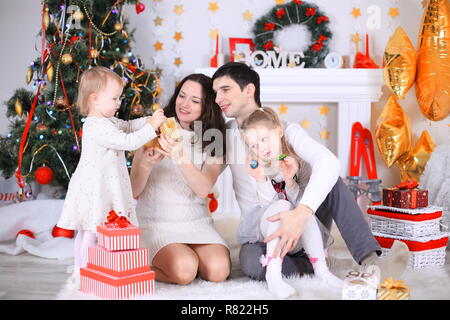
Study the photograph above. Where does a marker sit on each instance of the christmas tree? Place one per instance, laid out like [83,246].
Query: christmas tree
[44,140]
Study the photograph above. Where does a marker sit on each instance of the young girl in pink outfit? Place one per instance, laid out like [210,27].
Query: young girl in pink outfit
[281,179]
[101,181]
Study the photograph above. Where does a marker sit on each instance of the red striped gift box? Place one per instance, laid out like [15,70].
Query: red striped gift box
[115,288]
[118,263]
[116,239]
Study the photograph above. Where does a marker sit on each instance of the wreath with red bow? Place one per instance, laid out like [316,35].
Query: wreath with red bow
[295,12]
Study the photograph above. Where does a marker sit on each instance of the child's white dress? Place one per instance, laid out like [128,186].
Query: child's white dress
[101,181]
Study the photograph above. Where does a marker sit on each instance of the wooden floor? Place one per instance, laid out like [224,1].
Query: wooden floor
[26,276]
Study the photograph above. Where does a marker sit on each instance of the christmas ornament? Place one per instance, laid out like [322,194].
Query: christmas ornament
[78,15]
[414,165]
[93,53]
[43,175]
[50,71]
[67,58]
[118,26]
[137,110]
[46,19]
[41,127]
[292,13]
[29,75]
[254,164]
[60,104]
[393,133]
[213,204]
[433,61]
[27,233]
[60,232]
[18,106]
[399,63]
[139,7]
[155,107]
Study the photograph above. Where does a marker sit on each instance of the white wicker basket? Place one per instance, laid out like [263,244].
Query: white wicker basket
[401,222]
[405,228]
[419,259]
[434,258]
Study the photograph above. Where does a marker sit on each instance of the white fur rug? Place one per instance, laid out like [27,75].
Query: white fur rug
[431,284]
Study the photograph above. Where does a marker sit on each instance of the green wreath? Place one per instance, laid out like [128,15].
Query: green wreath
[295,12]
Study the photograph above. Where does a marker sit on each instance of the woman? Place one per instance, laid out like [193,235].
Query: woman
[171,185]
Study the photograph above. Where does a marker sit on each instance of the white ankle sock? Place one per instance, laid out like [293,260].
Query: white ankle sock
[274,278]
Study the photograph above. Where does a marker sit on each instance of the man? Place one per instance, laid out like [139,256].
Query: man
[237,89]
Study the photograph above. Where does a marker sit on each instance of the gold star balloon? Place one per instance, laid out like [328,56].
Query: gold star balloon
[414,165]
[399,62]
[393,132]
[433,61]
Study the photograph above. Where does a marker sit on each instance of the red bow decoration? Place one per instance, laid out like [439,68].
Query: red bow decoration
[322,19]
[280,13]
[408,184]
[117,221]
[319,43]
[268,46]
[213,203]
[310,12]
[269,26]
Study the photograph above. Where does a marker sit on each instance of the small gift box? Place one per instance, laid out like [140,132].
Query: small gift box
[360,286]
[111,287]
[406,195]
[390,290]
[118,234]
[118,263]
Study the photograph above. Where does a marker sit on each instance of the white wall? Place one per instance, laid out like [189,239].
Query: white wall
[20,22]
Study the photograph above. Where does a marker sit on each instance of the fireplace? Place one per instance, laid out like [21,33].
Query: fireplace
[352,90]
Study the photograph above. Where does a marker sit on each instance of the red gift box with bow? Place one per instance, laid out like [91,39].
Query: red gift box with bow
[118,234]
[406,195]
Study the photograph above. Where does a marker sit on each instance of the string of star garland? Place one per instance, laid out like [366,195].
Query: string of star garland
[295,12]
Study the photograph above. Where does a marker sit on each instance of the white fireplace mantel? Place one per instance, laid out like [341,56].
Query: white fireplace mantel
[352,90]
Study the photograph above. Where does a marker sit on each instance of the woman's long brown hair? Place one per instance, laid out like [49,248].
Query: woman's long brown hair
[211,116]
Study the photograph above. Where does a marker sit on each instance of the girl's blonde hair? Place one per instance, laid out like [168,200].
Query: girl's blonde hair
[268,118]
[92,81]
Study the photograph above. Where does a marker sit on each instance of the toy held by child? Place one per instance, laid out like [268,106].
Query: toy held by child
[281,178]
[101,181]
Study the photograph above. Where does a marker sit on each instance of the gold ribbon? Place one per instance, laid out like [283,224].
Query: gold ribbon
[391,290]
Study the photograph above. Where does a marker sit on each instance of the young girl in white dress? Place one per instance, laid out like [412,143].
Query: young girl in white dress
[101,181]
[281,178]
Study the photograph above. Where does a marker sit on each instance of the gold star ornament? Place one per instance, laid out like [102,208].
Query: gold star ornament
[247,16]
[324,110]
[324,134]
[305,124]
[283,109]
[213,33]
[158,21]
[178,36]
[213,7]
[158,45]
[356,12]
[178,61]
[393,12]
[178,9]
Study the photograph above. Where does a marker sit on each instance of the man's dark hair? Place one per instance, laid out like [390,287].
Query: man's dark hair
[242,74]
